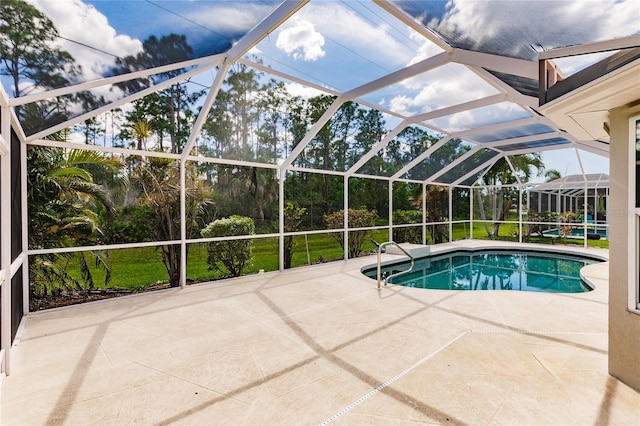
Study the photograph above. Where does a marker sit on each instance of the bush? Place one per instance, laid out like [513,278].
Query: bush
[292,219]
[131,225]
[234,255]
[358,218]
[411,234]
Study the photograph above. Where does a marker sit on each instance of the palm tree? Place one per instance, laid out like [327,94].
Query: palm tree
[141,131]
[158,180]
[501,196]
[64,211]
[552,174]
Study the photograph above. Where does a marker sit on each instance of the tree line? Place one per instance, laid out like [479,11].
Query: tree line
[86,198]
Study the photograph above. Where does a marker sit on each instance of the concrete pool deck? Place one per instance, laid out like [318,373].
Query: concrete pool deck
[320,345]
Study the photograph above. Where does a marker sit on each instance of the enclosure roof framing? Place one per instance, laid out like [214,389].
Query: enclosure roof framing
[486,166]
[498,110]
[567,184]
[453,164]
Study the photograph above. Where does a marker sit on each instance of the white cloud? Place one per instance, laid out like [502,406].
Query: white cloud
[225,17]
[498,113]
[445,86]
[376,40]
[509,26]
[426,50]
[86,26]
[499,24]
[402,104]
[603,19]
[304,92]
[76,137]
[301,41]
[573,64]
[254,51]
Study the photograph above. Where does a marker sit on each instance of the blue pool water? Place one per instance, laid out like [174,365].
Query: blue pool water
[578,232]
[492,270]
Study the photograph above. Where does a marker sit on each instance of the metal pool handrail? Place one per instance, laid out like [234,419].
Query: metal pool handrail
[397,274]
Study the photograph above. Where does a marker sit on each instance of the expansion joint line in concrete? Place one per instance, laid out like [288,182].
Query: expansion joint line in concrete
[390,381]
[446,345]
[539,332]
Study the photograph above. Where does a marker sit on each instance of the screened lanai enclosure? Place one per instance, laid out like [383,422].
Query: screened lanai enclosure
[578,203]
[148,144]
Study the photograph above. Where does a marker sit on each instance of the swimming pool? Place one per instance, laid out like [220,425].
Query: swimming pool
[578,232]
[492,270]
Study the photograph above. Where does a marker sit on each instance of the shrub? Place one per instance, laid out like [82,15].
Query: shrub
[234,255]
[292,219]
[358,218]
[411,234]
[131,224]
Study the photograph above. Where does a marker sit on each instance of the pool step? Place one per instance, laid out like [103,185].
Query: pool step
[416,250]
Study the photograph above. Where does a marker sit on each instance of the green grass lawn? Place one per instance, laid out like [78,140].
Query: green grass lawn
[509,232]
[133,269]
[137,268]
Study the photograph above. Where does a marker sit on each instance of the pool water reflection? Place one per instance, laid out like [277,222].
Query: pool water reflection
[492,270]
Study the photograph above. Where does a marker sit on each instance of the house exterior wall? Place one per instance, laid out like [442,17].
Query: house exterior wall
[624,321]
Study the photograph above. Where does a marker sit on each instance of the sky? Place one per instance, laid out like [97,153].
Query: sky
[341,45]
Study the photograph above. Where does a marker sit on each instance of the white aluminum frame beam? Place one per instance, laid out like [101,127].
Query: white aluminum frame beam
[320,88]
[594,147]
[420,158]
[316,171]
[276,18]
[337,103]
[5,241]
[495,127]
[125,100]
[476,62]
[475,185]
[530,102]
[453,164]
[486,165]
[443,112]
[206,107]
[107,149]
[4,98]
[400,75]
[574,192]
[413,24]
[521,139]
[4,146]
[24,202]
[386,178]
[465,106]
[117,246]
[228,162]
[537,149]
[273,71]
[503,64]
[40,96]
[513,170]
[596,47]
[377,147]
